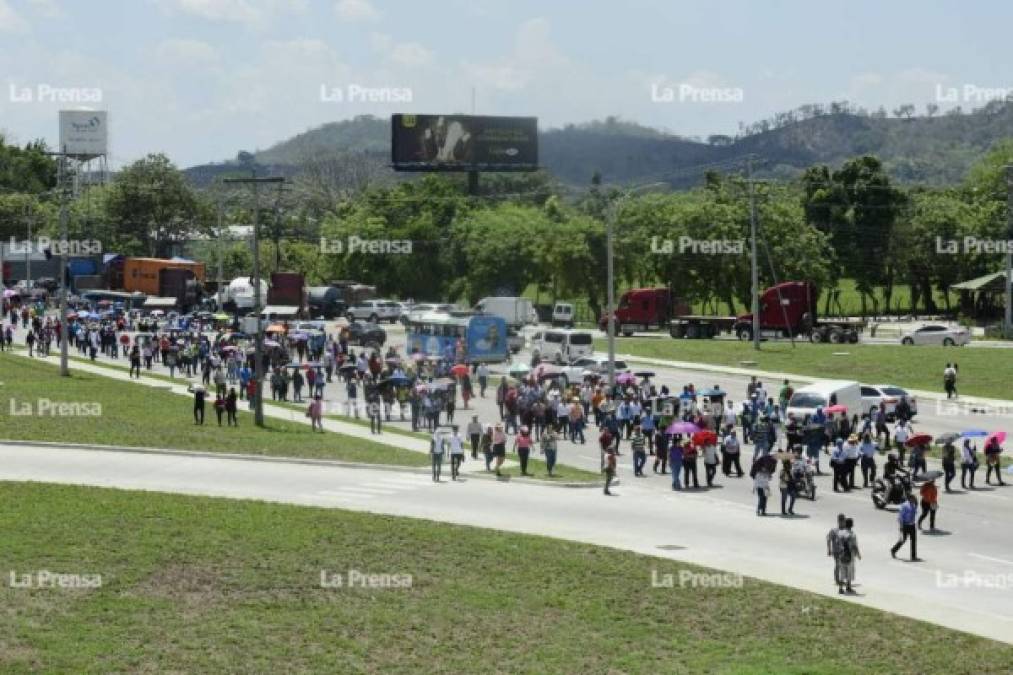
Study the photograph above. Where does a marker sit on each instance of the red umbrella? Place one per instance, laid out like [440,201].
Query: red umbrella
[705,437]
[999,436]
[460,370]
[836,409]
[918,439]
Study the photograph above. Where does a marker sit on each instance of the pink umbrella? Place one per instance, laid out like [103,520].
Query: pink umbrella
[626,378]
[999,436]
[836,409]
[684,428]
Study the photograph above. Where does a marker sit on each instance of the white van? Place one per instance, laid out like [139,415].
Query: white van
[807,399]
[562,346]
[562,314]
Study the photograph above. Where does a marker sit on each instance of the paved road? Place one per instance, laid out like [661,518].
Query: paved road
[702,528]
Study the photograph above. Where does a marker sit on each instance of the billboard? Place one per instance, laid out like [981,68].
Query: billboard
[83,132]
[463,143]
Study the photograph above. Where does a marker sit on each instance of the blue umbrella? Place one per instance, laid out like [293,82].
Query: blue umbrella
[974,433]
[712,392]
[398,380]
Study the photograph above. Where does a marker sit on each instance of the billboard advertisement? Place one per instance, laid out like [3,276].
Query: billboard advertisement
[463,143]
[83,132]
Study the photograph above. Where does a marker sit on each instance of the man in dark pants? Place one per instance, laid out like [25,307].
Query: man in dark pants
[906,518]
[199,394]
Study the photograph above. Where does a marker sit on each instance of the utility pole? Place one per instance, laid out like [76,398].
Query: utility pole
[753,256]
[258,350]
[1008,332]
[61,176]
[611,308]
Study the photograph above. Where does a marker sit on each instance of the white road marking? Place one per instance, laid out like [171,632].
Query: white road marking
[990,558]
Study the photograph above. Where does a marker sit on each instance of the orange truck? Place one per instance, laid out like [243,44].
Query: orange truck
[145,275]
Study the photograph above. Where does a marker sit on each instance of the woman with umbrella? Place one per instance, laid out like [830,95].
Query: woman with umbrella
[993,449]
[919,446]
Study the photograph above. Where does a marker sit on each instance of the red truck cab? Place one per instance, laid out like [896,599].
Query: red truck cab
[644,309]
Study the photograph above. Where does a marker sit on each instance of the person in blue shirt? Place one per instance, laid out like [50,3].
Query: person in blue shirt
[906,518]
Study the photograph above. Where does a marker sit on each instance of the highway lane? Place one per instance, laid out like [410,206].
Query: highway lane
[698,528]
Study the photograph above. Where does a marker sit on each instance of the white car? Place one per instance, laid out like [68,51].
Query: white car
[936,334]
[375,311]
[887,394]
[574,372]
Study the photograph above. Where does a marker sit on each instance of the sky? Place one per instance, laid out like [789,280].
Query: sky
[202,79]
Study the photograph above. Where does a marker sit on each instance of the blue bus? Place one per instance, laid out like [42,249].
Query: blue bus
[474,338]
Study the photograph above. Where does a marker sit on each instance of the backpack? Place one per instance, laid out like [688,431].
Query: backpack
[844,546]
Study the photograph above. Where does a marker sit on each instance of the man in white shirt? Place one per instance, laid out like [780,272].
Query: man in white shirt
[730,451]
[456,453]
[901,433]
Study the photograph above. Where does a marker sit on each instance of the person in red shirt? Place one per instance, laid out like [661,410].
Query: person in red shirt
[930,502]
[689,455]
[251,391]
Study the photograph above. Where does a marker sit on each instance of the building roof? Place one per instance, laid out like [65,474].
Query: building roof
[995,282]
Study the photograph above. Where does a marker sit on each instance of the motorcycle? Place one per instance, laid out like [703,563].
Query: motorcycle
[804,473]
[896,491]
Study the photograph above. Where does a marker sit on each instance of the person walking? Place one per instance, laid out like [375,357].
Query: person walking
[710,462]
[661,443]
[851,455]
[499,446]
[456,453]
[474,435]
[848,545]
[315,412]
[522,446]
[930,503]
[837,466]
[610,469]
[436,448]
[901,433]
[761,486]
[135,361]
[219,406]
[230,408]
[968,465]
[834,546]
[483,379]
[486,444]
[789,491]
[868,452]
[199,394]
[949,456]
[638,444]
[993,450]
[689,457]
[950,380]
[731,452]
[675,462]
[549,445]
[906,520]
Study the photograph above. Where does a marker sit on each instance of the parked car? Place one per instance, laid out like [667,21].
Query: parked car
[375,311]
[420,309]
[595,363]
[874,394]
[366,334]
[937,334]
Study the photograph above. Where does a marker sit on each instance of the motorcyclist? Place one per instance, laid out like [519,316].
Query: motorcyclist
[893,473]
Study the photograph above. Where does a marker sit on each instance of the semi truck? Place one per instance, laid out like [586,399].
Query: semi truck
[326,301]
[144,275]
[516,311]
[238,296]
[788,309]
[288,289]
[354,293]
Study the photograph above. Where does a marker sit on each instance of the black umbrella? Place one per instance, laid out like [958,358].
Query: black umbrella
[347,366]
[644,374]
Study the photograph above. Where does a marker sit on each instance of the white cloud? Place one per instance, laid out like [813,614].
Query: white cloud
[356,10]
[250,12]
[534,56]
[10,20]
[47,8]
[186,53]
[380,42]
[411,54]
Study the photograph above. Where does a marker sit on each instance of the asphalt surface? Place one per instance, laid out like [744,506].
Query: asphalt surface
[716,527]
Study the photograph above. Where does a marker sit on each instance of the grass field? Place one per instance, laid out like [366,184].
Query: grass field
[209,585]
[137,415]
[983,372]
[125,419]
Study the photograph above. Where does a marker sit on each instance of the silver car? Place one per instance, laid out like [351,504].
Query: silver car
[937,334]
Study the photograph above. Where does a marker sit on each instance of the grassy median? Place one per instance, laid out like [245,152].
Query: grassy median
[194,584]
[142,416]
[983,372]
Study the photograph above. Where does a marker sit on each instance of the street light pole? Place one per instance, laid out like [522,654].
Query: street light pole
[258,350]
[611,309]
[1008,328]
[755,288]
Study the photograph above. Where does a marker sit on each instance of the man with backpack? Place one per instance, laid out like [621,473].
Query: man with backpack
[847,544]
[833,546]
